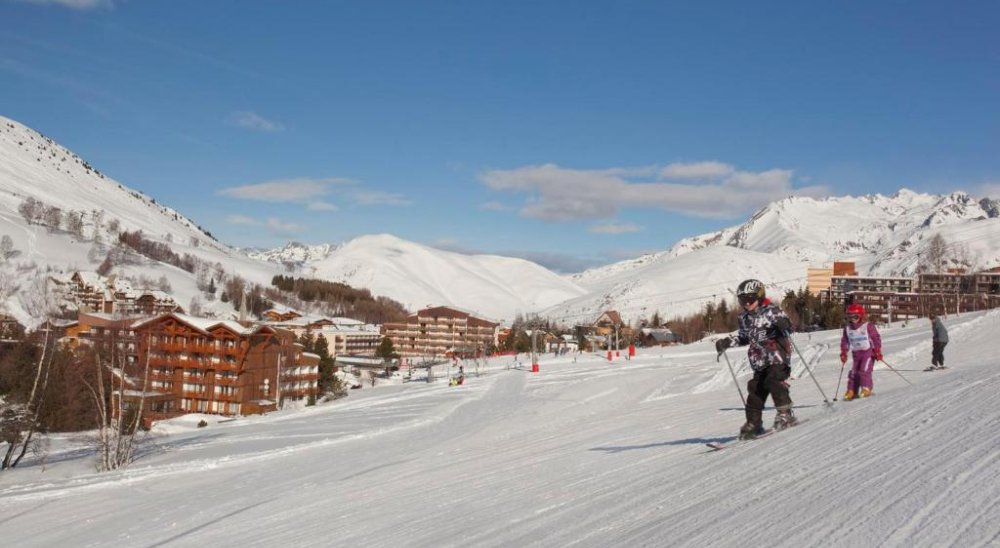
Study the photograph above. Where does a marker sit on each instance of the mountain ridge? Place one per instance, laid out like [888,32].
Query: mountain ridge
[884,235]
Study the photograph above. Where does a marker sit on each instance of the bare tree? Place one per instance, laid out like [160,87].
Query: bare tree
[120,399]
[932,259]
[6,247]
[8,285]
[194,308]
[19,422]
[962,256]
[97,217]
[30,209]
[52,218]
[74,223]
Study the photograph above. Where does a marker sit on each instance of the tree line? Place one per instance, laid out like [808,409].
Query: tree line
[339,299]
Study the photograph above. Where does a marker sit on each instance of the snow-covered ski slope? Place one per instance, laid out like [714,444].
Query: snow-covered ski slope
[584,453]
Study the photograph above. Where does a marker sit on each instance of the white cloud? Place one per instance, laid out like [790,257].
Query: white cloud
[242,220]
[312,193]
[556,193]
[990,190]
[276,225]
[81,5]
[377,197]
[615,228]
[254,121]
[285,190]
[697,170]
[322,206]
[280,227]
[493,206]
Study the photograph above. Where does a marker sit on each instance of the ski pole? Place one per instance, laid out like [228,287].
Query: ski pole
[840,378]
[897,372]
[738,389]
[806,365]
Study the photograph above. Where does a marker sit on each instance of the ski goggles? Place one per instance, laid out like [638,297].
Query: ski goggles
[853,317]
[746,300]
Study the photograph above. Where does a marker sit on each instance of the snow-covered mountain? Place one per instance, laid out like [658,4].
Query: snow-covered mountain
[294,253]
[35,167]
[676,286]
[417,275]
[883,235]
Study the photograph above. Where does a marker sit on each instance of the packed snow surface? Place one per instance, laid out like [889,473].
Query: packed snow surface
[586,453]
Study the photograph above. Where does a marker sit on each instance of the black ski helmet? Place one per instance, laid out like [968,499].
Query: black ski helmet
[749,291]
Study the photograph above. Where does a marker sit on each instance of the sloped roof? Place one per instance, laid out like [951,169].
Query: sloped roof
[207,324]
[610,316]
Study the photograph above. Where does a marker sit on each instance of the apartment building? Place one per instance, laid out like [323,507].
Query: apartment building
[205,365]
[344,336]
[113,295]
[841,286]
[440,331]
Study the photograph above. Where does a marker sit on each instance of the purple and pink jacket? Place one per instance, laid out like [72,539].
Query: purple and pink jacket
[865,343]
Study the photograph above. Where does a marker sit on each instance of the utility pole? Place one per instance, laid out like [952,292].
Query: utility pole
[277,384]
[534,352]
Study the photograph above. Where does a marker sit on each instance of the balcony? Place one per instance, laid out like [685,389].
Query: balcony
[161,376]
[204,348]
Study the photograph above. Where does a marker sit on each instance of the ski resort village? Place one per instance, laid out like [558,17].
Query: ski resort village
[162,387]
[499,274]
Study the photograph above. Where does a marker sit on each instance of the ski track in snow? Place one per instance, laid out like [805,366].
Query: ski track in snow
[584,453]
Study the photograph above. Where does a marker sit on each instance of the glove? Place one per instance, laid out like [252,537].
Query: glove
[843,357]
[783,324]
[878,355]
[722,344]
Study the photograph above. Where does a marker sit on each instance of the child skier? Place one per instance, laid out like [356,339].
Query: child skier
[865,343]
[938,342]
[764,327]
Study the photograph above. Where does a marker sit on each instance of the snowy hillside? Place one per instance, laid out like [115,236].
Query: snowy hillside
[417,276]
[677,286]
[33,166]
[883,235]
[584,453]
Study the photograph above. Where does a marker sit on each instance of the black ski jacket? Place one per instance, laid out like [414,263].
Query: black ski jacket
[760,329]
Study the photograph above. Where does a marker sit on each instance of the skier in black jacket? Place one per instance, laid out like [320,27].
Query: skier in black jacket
[764,327]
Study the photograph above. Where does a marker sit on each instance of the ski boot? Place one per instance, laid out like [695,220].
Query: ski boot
[784,419]
[849,395]
[751,430]
[865,392]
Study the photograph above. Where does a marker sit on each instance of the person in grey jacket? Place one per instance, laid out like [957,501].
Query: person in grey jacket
[938,343]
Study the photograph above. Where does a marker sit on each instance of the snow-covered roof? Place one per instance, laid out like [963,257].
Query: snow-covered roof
[205,324]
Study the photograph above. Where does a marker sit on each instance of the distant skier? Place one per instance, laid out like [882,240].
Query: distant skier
[763,326]
[938,342]
[865,344]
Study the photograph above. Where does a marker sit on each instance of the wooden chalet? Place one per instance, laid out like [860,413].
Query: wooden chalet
[211,366]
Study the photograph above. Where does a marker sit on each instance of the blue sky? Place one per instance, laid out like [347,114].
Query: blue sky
[570,133]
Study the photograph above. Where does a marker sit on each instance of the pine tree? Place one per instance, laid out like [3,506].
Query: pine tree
[386,350]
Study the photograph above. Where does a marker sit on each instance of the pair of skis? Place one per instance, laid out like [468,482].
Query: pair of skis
[718,446]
